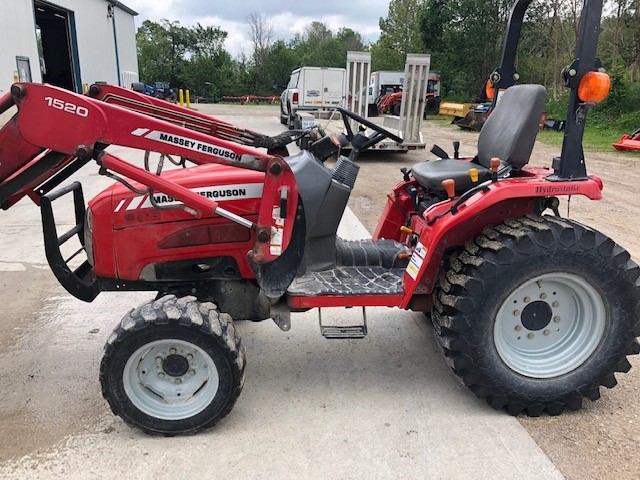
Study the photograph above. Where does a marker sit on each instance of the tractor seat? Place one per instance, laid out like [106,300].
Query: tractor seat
[431,174]
[509,134]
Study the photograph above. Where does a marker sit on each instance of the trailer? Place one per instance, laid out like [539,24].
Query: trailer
[405,126]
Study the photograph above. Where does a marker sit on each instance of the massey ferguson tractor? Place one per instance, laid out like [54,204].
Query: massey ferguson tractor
[533,312]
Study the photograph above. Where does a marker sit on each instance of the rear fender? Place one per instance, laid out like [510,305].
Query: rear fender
[438,230]
[396,212]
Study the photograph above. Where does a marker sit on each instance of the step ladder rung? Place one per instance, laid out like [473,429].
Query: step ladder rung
[344,331]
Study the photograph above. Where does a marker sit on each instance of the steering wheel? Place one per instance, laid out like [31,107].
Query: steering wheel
[379,135]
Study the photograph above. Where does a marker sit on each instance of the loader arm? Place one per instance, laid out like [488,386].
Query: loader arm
[172,113]
[75,129]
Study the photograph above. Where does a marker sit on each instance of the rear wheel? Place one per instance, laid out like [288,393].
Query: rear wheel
[431,106]
[396,109]
[538,313]
[173,366]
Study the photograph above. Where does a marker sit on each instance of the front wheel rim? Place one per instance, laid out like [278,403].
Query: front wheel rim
[170,379]
[550,325]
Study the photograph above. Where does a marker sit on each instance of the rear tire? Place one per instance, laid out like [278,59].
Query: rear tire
[538,313]
[396,109]
[173,366]
[431,106]
[283,116]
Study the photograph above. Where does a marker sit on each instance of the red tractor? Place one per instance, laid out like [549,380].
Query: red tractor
[392,102]
[532,312]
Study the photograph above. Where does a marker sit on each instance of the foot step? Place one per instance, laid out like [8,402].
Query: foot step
[356,331]
[346,331]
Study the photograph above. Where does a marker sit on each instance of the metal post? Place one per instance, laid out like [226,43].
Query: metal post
[505,75]
[115,39]
[571,164]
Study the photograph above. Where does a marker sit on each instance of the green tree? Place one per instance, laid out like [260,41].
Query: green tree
[399,35]
[161,50]
[464,38]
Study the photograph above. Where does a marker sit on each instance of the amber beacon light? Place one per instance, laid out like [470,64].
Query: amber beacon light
[594,87]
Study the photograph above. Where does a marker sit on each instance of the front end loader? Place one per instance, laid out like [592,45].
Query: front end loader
[533,312]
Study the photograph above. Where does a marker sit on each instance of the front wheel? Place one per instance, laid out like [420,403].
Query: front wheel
[538,313]
[173,366]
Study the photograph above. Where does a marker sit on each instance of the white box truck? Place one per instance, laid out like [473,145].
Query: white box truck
[312,89]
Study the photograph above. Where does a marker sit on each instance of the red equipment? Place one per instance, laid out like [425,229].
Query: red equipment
[532,312]
[392,102]
[629,143]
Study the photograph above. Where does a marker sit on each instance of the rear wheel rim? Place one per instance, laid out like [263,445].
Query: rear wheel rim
[170,379]
[550,325]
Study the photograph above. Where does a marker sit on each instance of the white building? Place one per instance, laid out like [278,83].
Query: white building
[68,43]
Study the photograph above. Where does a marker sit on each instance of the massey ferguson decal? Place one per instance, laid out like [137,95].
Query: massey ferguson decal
[187,143]
[218,193]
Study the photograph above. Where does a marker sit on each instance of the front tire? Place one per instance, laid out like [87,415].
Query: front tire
[173,366]
[538,313]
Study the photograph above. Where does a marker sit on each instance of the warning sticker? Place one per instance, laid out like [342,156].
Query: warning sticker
[417,259]
[275,248]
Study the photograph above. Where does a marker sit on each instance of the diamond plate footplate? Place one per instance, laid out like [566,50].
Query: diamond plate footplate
[349,281]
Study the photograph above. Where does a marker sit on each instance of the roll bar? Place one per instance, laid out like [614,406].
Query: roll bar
[570,164]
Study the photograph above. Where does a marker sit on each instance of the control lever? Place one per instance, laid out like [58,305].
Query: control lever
[495,166]
[405,174]
[456,150]
[439,152]
[450,187]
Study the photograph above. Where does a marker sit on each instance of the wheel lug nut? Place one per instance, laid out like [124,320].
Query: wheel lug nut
[556,319]
[173,351]
[547,332]
[158,360]
[543,296]
[518,328]
[161,375]
[189,357]
[527,299]
[530,336]
[178,381]
[516,313]
[192,372]
[555,304]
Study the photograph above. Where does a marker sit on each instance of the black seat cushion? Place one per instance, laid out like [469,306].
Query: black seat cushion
[510,131]
[431,174]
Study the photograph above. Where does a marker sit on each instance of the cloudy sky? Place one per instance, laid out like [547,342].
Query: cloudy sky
[287,17]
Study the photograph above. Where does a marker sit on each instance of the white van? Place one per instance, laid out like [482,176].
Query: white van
[312,88]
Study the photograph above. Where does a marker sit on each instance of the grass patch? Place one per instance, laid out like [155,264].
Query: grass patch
[597,138]
[607,122]
[438,119]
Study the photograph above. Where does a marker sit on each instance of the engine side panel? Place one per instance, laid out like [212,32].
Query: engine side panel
[143,235]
